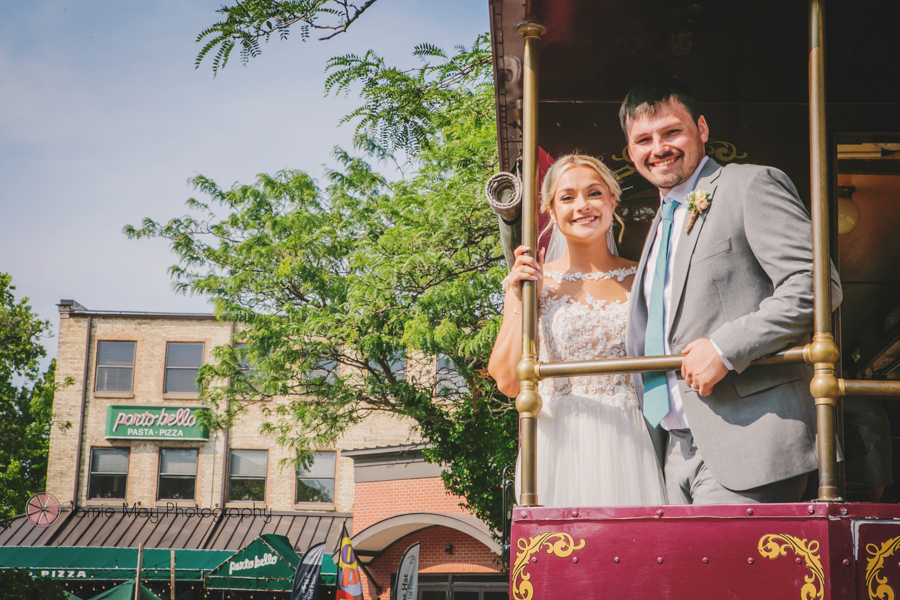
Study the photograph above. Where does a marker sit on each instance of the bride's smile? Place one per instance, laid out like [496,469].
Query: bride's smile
[582,205]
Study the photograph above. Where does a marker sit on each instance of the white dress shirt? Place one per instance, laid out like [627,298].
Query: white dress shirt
[676,419]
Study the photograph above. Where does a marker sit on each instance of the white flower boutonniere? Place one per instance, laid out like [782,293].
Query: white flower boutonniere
[697,204]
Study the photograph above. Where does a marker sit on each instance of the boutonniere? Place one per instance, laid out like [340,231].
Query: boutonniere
[697,204]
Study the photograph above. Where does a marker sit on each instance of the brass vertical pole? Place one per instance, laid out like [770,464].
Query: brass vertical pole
[823,352]
[172,573]
[528,402]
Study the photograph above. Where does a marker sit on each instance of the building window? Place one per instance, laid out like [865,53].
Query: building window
[448,377]
[109,473]
[327,368]
[397,363]
[183,361]
[243,359]
[316,483]
[115,366]
[247,475]
[177,473]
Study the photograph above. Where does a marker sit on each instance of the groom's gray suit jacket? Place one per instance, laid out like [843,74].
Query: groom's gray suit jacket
[743,278]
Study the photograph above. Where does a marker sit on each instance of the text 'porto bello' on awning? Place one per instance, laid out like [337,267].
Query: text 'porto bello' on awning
[267,563]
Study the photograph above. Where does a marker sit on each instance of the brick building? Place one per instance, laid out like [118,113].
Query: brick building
[135,468]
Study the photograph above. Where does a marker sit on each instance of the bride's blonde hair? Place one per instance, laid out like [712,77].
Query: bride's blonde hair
[563,164]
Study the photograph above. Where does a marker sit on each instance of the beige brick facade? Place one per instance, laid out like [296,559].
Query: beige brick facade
[151,334]
[383,478]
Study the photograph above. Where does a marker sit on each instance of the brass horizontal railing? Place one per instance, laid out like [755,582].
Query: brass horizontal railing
[646,364]
[851,387]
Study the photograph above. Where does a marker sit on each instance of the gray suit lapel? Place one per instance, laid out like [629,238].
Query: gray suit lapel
[688,241]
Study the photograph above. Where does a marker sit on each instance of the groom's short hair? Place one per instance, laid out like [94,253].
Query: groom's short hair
[646,98]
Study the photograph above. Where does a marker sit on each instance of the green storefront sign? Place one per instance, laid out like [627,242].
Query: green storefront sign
[155,422]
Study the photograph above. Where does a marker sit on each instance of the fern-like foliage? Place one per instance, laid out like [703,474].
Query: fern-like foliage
[248,21]
[405,110]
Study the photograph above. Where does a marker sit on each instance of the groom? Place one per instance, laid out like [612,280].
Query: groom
[725,277]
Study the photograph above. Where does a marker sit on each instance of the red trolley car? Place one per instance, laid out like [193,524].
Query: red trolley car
[811,88]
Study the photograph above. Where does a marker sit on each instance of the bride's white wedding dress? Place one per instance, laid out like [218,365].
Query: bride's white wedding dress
[593,448]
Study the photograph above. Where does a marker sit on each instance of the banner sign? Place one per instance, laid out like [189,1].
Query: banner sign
[407,583]
[349,580]
[156,422]
[306,581]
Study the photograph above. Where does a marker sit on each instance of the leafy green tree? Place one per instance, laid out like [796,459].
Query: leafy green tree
[26,401]
[336,285]
[16,584]
[248,21]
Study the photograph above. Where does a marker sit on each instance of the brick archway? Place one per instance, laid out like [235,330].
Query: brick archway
[374,539]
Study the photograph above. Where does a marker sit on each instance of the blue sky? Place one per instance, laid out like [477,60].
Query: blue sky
[103,118]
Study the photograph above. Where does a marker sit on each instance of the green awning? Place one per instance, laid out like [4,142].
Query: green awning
[125,591]
[328,575]
[116,564]
[267,563]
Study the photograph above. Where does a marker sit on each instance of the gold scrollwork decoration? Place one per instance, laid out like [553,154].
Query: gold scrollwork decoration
[563,547]
[874,564]
[769,547]
[723,151]
[628,169]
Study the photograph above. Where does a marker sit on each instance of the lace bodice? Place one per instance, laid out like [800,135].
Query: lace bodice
[583,330]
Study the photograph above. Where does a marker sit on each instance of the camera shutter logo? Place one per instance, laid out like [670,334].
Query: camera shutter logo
[42,509]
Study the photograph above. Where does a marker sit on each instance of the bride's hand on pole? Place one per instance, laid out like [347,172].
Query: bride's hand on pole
[526,268]
[508,347]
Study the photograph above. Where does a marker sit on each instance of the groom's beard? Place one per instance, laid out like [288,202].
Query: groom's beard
[673,176]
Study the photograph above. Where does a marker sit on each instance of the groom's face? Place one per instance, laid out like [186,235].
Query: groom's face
[667,147]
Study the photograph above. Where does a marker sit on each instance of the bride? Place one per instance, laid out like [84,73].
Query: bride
[592,444]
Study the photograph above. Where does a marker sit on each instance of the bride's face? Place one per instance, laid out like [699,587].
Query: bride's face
[582,205]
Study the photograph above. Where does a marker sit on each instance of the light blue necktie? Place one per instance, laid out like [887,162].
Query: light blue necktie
[656,392]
